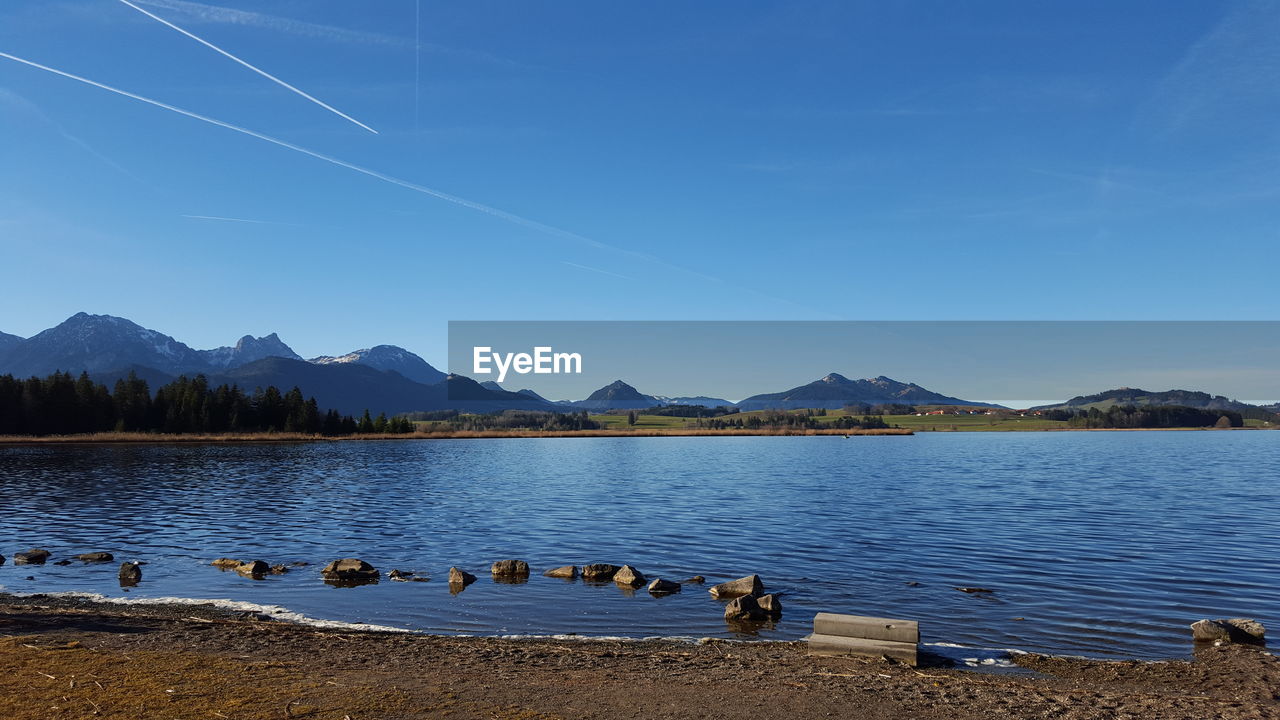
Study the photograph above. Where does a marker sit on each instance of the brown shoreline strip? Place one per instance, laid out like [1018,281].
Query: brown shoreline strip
[93,660]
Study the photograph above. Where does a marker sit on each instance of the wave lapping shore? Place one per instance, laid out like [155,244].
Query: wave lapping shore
[65,657]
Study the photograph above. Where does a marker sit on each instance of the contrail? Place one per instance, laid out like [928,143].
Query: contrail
[470,204]
[595,270]
[258,70]
[502,214]
[231,219]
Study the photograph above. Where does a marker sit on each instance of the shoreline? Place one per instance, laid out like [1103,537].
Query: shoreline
[195,661]
[268,438]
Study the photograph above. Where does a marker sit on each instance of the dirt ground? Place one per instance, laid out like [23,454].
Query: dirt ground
[77,659]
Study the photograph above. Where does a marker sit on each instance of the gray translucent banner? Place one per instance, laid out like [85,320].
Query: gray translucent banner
[1011,363]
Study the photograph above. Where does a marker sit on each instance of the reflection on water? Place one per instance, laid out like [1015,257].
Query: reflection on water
[1091,543]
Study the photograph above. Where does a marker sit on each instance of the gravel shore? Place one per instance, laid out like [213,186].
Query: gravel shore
[72,658]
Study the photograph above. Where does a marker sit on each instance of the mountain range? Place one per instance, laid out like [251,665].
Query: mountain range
[390,379]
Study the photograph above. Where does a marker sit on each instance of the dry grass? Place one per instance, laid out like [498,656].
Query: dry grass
[124,437]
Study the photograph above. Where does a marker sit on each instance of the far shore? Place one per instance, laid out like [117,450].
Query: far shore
[113,438]
[128,437]
[61,657]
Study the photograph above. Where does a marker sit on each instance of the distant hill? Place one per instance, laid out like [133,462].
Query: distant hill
[834,391]
[350,388]
[7,341]
[617,395]
[534,395]
[702,400]
[104,343]
[491,385]
[1135,396]
[388,357]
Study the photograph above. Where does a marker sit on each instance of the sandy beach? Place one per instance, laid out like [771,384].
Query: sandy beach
[71,658]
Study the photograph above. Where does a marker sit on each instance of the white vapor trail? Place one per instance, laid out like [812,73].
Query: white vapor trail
[254,68]
[231,219]
[471,204]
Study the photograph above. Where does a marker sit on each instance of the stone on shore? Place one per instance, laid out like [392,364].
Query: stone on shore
[599,571]
[749,585]
[568,571]
[663,587]
[510,569]
[253,568]
[34,556]
[130,573]
[771,606]
[461,578]
[628,576]
[744,608]
[349,569]
[1234,630]
[96,557]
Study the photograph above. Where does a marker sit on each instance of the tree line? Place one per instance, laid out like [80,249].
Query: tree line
[1146,416]
[65,405]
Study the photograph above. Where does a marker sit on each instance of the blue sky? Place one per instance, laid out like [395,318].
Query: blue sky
[763,161]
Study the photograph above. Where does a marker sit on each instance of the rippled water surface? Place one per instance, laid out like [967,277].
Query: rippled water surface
[1108,544]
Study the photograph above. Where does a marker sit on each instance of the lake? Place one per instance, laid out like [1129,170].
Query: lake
[1106,544]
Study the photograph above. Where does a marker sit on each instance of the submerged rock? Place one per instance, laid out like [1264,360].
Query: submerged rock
[695,580]
[744,608]
[599,571]
[34,556]
[402,575]
[227,563]
[350,570]
[510,569]
[461,578]
[253,568]
[663,587]
[568,571]
[1234,630]
[96,557]
[771,606]
[1,559]
[130,573]
[628,576]
[279,569]
[749,585]
[974,590]
[63,562]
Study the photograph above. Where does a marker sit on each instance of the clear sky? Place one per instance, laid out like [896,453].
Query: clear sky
[664,160]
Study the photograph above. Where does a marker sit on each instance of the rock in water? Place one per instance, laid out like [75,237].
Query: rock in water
[253,568]
[401,575]
[227,563]
[96,557]
[695,580]
[1,559]
[771,606]
[279,569]
[130,573]
[461,578]
[34,556]
[599,571]
[510,569]
[744,608]
[663,587]
[349,569]
[1249,627]
[1235,630]
[749,585]
[568,571]
[628,576]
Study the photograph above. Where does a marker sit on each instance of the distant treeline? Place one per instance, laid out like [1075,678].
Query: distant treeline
[63,405]
[520,420]
[689,411]
[1146,416]
[795,420]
